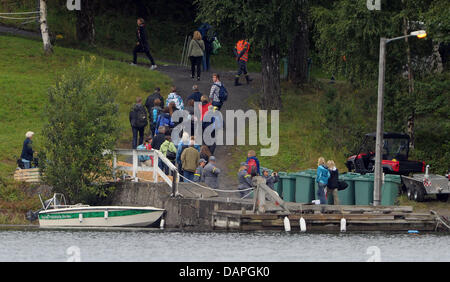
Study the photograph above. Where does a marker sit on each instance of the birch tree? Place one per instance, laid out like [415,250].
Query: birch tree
[48,48]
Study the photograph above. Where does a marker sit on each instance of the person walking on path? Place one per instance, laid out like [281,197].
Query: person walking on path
[271,179]
[175,98]
[27,150]
[196,51]
[208,35]
[196,95]
[154,114]
[323,174]
[198,176]
[245,180]
[189,160]
[142,44]
[211,173]
[150,101]
[138,121]
[159,138]
[215,93]
[241,52]
[333,181]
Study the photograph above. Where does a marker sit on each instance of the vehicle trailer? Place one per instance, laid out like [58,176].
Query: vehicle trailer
[420,185]
[394,160]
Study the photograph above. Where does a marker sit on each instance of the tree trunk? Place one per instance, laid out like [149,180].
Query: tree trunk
[270,62]
[48,49]
[85,22]
[298,53]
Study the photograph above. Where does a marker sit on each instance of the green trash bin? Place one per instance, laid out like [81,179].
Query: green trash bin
[288,190]
[304,187]
[390,189]
[363,190]
[278,187]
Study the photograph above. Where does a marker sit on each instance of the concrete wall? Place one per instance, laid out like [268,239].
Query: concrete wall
[191,213]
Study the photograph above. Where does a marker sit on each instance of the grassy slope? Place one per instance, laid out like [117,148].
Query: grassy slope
[26,75]
[302,136]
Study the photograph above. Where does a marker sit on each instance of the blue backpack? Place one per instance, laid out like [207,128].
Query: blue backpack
[223,93]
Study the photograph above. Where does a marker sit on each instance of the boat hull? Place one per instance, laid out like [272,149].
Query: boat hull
[100,217]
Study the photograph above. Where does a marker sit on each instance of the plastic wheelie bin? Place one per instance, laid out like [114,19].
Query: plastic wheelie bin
[304,187]
[364,190]
[390,189]
[288,184]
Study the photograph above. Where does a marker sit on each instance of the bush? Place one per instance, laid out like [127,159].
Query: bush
[82,123]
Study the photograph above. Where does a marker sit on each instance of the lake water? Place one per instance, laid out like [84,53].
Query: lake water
[166,246]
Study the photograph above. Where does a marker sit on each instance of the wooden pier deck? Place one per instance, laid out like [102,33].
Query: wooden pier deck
[327,218]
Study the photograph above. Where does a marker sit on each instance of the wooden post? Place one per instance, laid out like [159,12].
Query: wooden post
[175,184]
[155,167]
[135,164]
[114,165]
[48,49]
[380,125]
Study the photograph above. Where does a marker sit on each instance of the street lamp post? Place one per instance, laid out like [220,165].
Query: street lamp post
[380,114]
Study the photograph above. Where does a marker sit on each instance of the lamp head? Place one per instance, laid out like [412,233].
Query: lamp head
[420,34]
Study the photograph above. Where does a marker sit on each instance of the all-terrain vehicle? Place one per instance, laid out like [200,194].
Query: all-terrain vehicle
[395,156]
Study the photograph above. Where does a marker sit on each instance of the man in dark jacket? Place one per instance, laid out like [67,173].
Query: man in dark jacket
[271,179]
[27,150]
[196,95]
[142,44]
[138,121]
[150,102]
[245,180]
[159,138]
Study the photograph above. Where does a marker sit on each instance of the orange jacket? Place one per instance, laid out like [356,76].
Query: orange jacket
[242,48]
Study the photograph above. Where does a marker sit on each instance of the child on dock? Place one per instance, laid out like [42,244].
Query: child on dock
[323,174]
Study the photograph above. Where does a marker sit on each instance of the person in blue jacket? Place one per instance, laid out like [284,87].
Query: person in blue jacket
[323,174]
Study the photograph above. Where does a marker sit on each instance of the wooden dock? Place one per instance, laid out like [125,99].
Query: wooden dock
[327,218]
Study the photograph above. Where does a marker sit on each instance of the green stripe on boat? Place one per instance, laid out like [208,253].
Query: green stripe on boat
[93,214]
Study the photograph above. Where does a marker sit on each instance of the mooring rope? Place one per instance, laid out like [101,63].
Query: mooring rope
[216,190]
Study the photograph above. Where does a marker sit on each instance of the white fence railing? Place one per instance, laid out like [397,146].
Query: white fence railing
[157,172]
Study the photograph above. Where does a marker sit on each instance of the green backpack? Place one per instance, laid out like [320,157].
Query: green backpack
[216,46]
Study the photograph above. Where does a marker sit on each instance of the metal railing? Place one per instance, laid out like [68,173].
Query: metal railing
[157,156]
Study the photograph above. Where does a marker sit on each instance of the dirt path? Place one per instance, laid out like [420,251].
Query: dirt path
[238,100]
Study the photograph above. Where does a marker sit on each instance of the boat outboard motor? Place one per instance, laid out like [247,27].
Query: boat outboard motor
[32,216]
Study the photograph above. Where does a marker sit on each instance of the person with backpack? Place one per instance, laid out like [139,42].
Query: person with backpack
[241,52]
[333,182]
[138,121]
[253,163]
[154,113]
[142,44]
[150,101]
[218,93]
[323,174]
[175,98]
[196,51]
[164,120]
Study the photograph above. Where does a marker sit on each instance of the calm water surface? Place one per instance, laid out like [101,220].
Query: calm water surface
[60,246]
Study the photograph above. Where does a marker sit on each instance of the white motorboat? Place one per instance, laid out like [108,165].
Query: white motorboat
[56,213]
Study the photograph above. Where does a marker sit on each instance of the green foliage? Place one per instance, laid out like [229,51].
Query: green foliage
[82,115]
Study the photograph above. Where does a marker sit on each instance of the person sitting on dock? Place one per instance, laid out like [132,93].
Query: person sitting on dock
[198,176]
[245,179]
[146,160]
[270,179]
[211,173]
